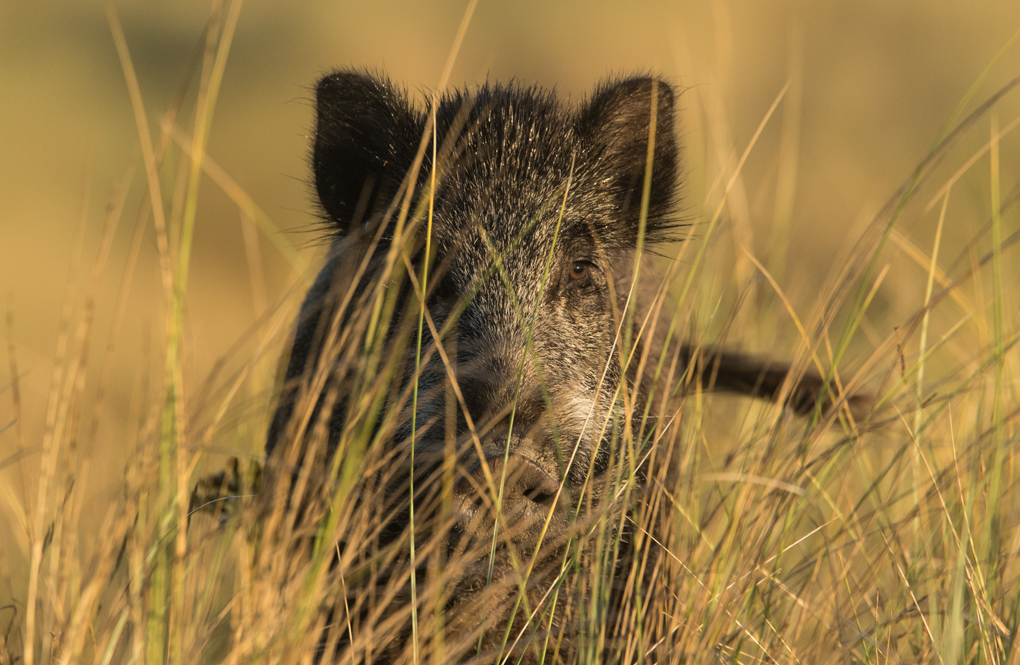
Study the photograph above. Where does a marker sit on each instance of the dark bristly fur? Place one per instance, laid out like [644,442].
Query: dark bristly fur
[536,216]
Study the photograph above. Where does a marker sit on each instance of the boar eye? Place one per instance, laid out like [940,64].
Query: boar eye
[580,273]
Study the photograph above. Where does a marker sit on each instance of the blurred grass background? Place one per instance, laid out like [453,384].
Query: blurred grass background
[873,84]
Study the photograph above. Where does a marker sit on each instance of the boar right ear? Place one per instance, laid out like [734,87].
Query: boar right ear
[616,123]
[366,138]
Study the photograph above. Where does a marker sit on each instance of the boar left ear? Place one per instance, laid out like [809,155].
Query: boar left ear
[617,124]
[366,138]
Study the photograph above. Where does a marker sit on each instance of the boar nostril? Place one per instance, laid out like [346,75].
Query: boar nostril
[525,482]
[539,495]
[536,485]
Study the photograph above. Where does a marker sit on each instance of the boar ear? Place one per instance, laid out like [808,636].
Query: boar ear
[366,138]
[617,124]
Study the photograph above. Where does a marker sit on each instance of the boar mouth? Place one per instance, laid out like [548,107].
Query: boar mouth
[506,500]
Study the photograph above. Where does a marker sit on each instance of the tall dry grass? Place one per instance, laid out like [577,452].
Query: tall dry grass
[766,537]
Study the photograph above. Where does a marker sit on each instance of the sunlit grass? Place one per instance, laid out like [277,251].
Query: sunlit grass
[757,537]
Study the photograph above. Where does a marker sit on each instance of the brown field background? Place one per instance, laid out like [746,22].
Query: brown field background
[873,82]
